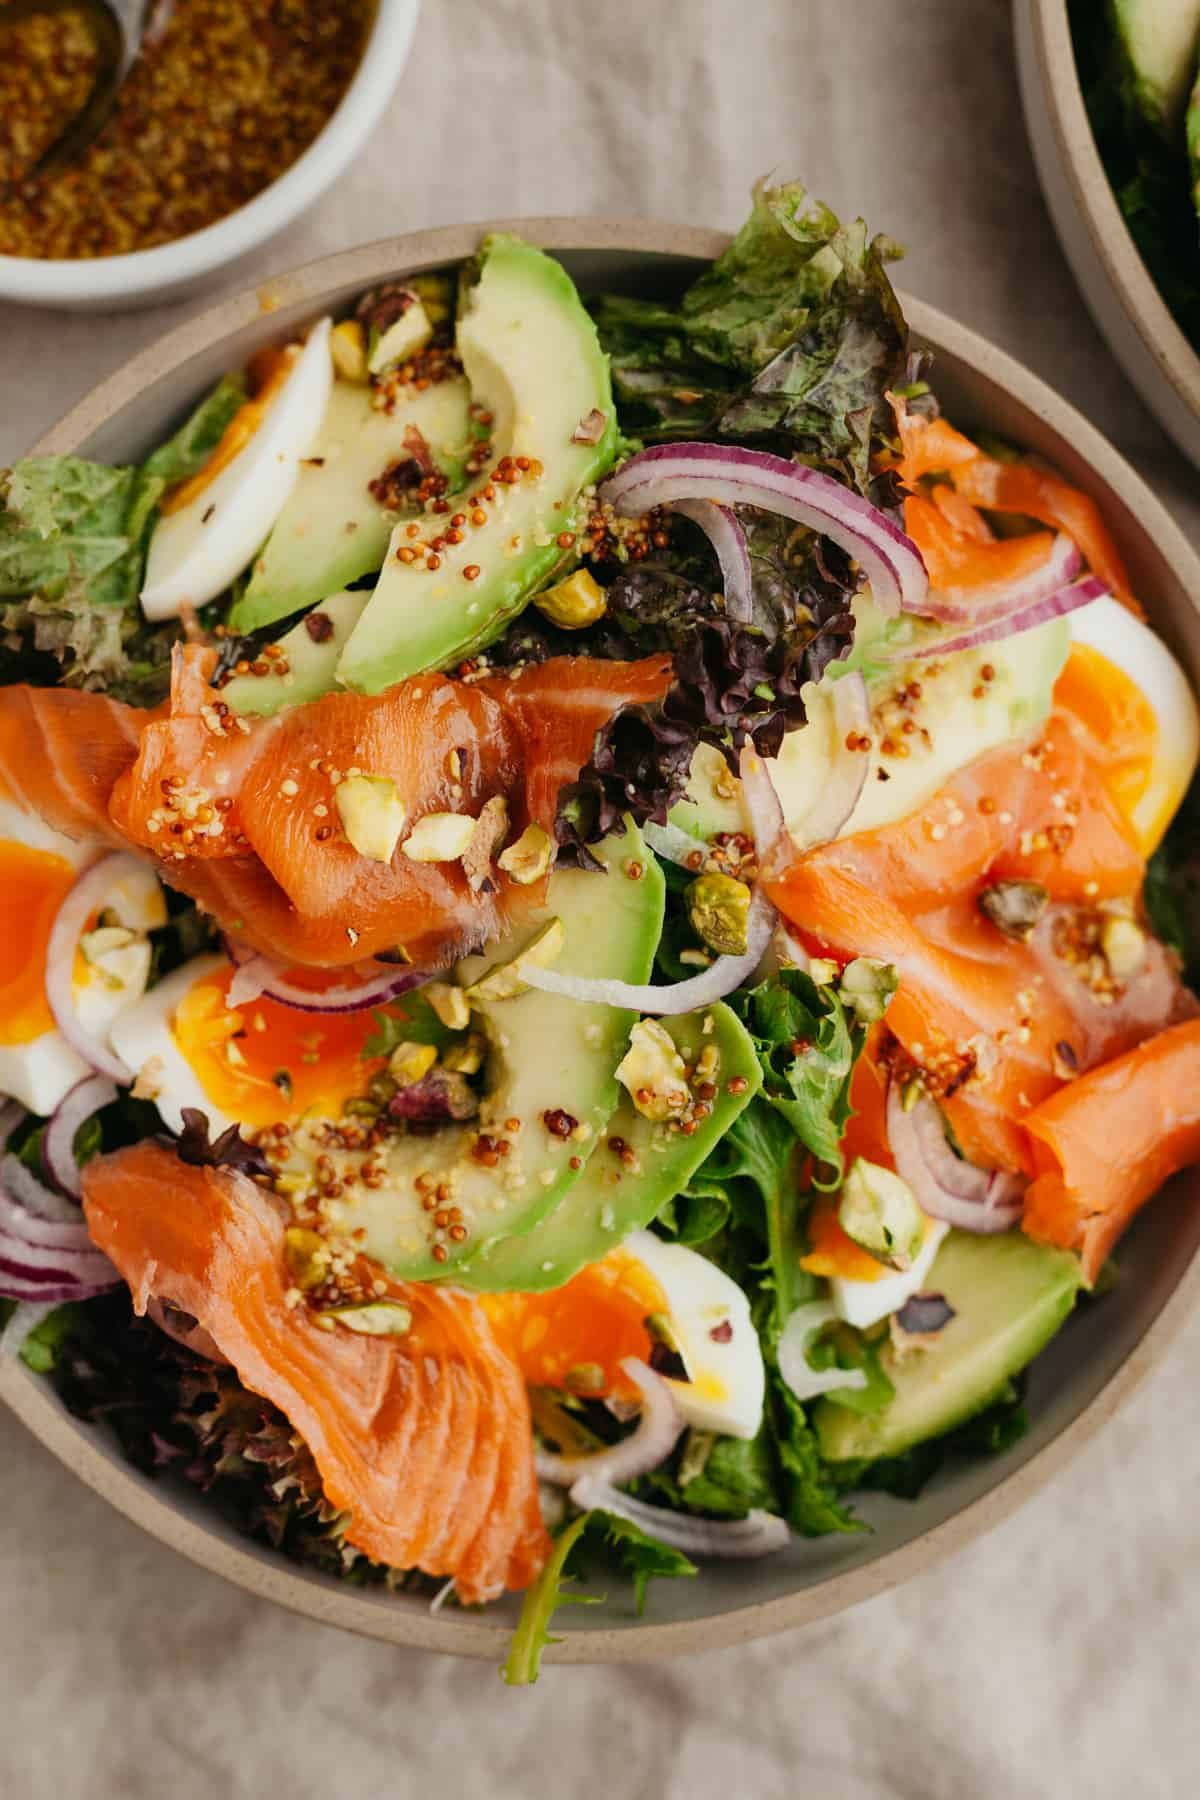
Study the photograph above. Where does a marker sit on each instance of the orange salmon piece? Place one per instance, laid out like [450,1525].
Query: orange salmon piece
[396,1425]
[1105,1144]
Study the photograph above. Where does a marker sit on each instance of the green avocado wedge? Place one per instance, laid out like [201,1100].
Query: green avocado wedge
[616,1195]
[333,529]
[1009,1296]
[549,1059]
[310,650]
[535,367]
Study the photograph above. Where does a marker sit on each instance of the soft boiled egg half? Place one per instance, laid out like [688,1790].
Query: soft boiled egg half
[1124,681]
[863,1291]
[210,529]
[38,868]
[258,1064]
[576,1336]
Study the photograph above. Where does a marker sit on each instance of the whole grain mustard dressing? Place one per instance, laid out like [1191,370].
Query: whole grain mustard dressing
[212,113]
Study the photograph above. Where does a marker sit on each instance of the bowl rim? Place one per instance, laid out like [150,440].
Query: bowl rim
[273,1578]
[1092,196]
[145,274]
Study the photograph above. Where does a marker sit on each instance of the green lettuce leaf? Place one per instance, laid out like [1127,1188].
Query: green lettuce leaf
[542,1600]
[73,538]
[793,336]
[1173,887]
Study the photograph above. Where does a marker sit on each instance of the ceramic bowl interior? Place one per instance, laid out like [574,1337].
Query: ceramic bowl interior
[147,277]
[1112,277]
[1099,1357]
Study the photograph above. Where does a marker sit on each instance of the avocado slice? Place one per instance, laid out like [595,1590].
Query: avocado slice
[1157,40]
[311,653]
[615,1196]
[1009,1296]
[549,1059]
[534,363]
[957,717]
[333,530]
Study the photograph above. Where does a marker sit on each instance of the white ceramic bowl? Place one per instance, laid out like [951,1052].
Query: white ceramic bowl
[1114,281]
[1093,1365]
[145,277]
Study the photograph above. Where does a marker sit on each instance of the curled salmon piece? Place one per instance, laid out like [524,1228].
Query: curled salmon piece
[1104,1145]
[243,815]
[62,751]
[423,1440]
[1000,1024]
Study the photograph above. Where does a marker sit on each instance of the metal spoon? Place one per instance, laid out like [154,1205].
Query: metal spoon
[119,28]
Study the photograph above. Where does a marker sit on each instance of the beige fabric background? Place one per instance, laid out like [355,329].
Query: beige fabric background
[1058,1657]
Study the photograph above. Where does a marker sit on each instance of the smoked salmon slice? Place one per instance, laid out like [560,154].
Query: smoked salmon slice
[424,1440]
[996,1024]
[1104,1145]
[242,814]
[934,447]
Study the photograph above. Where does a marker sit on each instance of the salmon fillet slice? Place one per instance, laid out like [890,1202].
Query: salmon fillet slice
[398,1427]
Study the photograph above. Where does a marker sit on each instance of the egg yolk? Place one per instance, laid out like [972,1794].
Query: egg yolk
[1124,728]
[576,1336]
[268,1064]
[33,885]
[271,369]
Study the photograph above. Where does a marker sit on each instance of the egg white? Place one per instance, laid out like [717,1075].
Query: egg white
[40,1073]
[1140,653]
[726,1380]
[144,1038]
[196,552]
[864,1303]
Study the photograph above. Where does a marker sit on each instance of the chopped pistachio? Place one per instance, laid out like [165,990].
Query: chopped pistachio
[466,1058]
[718,907]
[372,814]
[439,837]
[491,829]
[307,1256]
[409,1063]
[95,945]
[697,1447]
[585,1378]
[823,970]
[402,339]
[867,987]
[1124,945]
[573,603]
[373,1318]
[505,981]
[348,347]
[528,859]
[450,1003]
[653,1072]
[1014,907]
[880,1212]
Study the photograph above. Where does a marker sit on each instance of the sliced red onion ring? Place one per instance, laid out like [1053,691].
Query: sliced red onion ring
[60,1263]
[725,974]
[34,1197]
[964,606]
[972,1199]
[733,476]
[762,804]
[1053,606]
[259,976]
[792,1354]
[723,529]
[26,1317]
[58,1143]
[836,802]
[53,1290]
[657,1434]
[759,1534]
[86,897]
